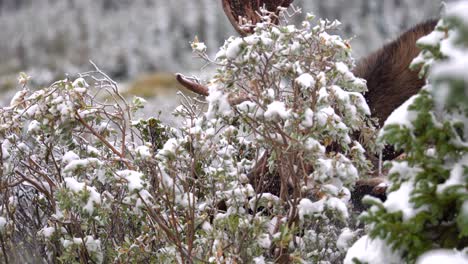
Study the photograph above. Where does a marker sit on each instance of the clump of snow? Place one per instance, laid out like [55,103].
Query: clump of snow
[198,46]
[345,239]
[92,245]
[80,85]
[69,156]
[308,121]
[264,198]
[3,223]
[457,176]
[217,103]
[402,116]
[431,40]
[264,241]
[74,165]
[6,145]
[372,251]
[169,148]
[459,10]
[259,260]
[134,179]
[78,187]
[338,205]
[32,110]
[312,144]
[399,200]
[452,69]
[47,231]
[34,127]
[143,151]
[18,98]
[276,110]
[306,207]
[440,256]
[305,80]
[234,48]
[324,114]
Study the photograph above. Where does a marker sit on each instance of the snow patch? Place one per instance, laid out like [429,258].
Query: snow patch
[305,80]
[402,116]
[399,200]
[134,179]
[372,251]
[3,223]
[439,256]
[77,187]
[307,207]
[276,110]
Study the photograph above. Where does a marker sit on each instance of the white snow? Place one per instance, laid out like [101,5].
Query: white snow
[454,68]
[32,110]
[74,185]
[402,116]
[312,144]
[341,67]
[69,156]
[269,198]
[198,46]
[80,85]
[135,182]
[81,163]
[464,209]
[252,39]
[92,245]
[372,251]
[3,223]
[77,187]
[308,121]
[169,148]
[432,40]
[345,238]
[47,231]
[143,151]
[264,241]
[399,200]
[276,110]
[34,127]
[442,256]
[305,80]
[324,114]
[459,10]
[18,98]
[234,48]
[307,207]
[217,103]
[457,176]
[259,260]
[338,205]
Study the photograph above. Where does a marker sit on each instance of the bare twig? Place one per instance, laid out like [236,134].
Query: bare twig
[103,140]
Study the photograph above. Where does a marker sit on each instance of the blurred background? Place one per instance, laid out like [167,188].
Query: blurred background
[141,43]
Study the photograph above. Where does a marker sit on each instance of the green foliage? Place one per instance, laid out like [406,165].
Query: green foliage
[427,204]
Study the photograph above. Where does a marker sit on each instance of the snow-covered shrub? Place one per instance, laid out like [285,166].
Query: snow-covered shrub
[259,172]
[278,144]
[427,206]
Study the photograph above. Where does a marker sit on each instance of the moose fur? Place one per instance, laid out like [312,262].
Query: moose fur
[390,82]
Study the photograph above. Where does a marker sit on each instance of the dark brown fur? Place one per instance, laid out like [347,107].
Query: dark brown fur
[390,82]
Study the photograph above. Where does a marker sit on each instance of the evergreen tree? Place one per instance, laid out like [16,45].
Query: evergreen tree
[427,205]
